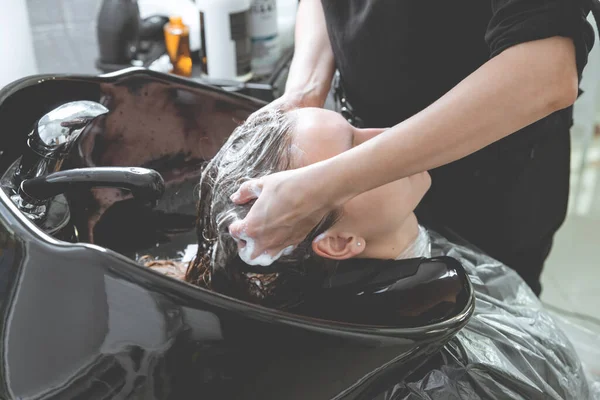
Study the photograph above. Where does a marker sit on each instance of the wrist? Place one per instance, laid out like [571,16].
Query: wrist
[309,95]
[331,183]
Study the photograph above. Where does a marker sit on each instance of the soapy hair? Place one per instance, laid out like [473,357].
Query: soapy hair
[260,146]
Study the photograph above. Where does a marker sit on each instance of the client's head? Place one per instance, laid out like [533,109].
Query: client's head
[371,225]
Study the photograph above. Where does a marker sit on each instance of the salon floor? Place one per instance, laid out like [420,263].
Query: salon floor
[572,273]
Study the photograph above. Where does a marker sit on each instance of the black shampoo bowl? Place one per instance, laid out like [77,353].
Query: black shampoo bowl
[82,320]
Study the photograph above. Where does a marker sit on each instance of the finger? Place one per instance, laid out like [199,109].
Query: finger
[247,191]
[248,250]
[258,112]
[252,255]
[237,229]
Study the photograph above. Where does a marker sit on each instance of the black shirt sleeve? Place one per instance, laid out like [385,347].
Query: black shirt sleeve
[518,21]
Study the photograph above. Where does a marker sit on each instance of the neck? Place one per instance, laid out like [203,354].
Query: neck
[392,245]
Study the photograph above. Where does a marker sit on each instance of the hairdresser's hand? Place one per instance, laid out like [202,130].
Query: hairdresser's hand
[289,205]
[290,100]
[284,103]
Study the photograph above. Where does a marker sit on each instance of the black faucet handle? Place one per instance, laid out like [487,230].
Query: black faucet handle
[145,184]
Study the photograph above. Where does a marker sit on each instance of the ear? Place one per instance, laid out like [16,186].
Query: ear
[338,245]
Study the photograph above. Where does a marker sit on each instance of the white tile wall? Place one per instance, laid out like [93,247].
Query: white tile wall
[17,56]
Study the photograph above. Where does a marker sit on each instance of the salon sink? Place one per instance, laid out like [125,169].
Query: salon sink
[82,319]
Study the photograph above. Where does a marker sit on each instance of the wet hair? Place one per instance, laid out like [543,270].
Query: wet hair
[260,146]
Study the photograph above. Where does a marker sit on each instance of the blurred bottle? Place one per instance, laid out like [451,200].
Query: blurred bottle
[226,49]
[265,38]
[177,42]
[286,22]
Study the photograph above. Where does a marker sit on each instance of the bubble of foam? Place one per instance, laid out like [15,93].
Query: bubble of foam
[190,252]
[263,259]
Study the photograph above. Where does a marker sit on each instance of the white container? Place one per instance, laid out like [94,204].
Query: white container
[226,48]
[264,33]
[286,20]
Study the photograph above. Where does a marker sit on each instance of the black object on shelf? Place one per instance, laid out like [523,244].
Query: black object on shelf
[148,53]
[124,40]
[116,50]
[118,30]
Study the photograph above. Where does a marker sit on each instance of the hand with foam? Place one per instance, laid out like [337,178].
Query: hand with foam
[289,204]
[287,101]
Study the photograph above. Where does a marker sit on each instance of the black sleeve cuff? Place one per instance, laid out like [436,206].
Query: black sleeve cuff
[520,21]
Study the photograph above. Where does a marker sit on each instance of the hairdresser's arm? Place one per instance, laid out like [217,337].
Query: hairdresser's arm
[312,67]
[520,86]
[514,89]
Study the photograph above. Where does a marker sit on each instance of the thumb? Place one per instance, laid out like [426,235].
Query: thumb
[237,229]
[247,191]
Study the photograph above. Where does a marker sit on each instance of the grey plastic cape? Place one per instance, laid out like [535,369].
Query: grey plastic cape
[512,348]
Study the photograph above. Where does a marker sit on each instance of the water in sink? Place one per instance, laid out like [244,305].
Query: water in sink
[173,267]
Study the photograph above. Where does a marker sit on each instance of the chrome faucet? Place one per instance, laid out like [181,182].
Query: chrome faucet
[39,182]
[48,144]
[53,136]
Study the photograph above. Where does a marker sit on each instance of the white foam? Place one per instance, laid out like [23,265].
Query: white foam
[320,237]
[255,189]
[190,252]
[246,252]
[263,259]
[297,151]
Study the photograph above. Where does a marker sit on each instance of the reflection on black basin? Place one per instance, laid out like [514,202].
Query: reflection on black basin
[84,321]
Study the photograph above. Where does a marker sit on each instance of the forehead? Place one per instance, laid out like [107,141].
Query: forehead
[319,134]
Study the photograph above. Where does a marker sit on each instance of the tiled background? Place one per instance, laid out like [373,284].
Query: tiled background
[64,35]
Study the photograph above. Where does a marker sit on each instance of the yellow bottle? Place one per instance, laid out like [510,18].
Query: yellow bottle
[177,42]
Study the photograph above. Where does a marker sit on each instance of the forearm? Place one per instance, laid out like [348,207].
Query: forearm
[312,67]
[518,87]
